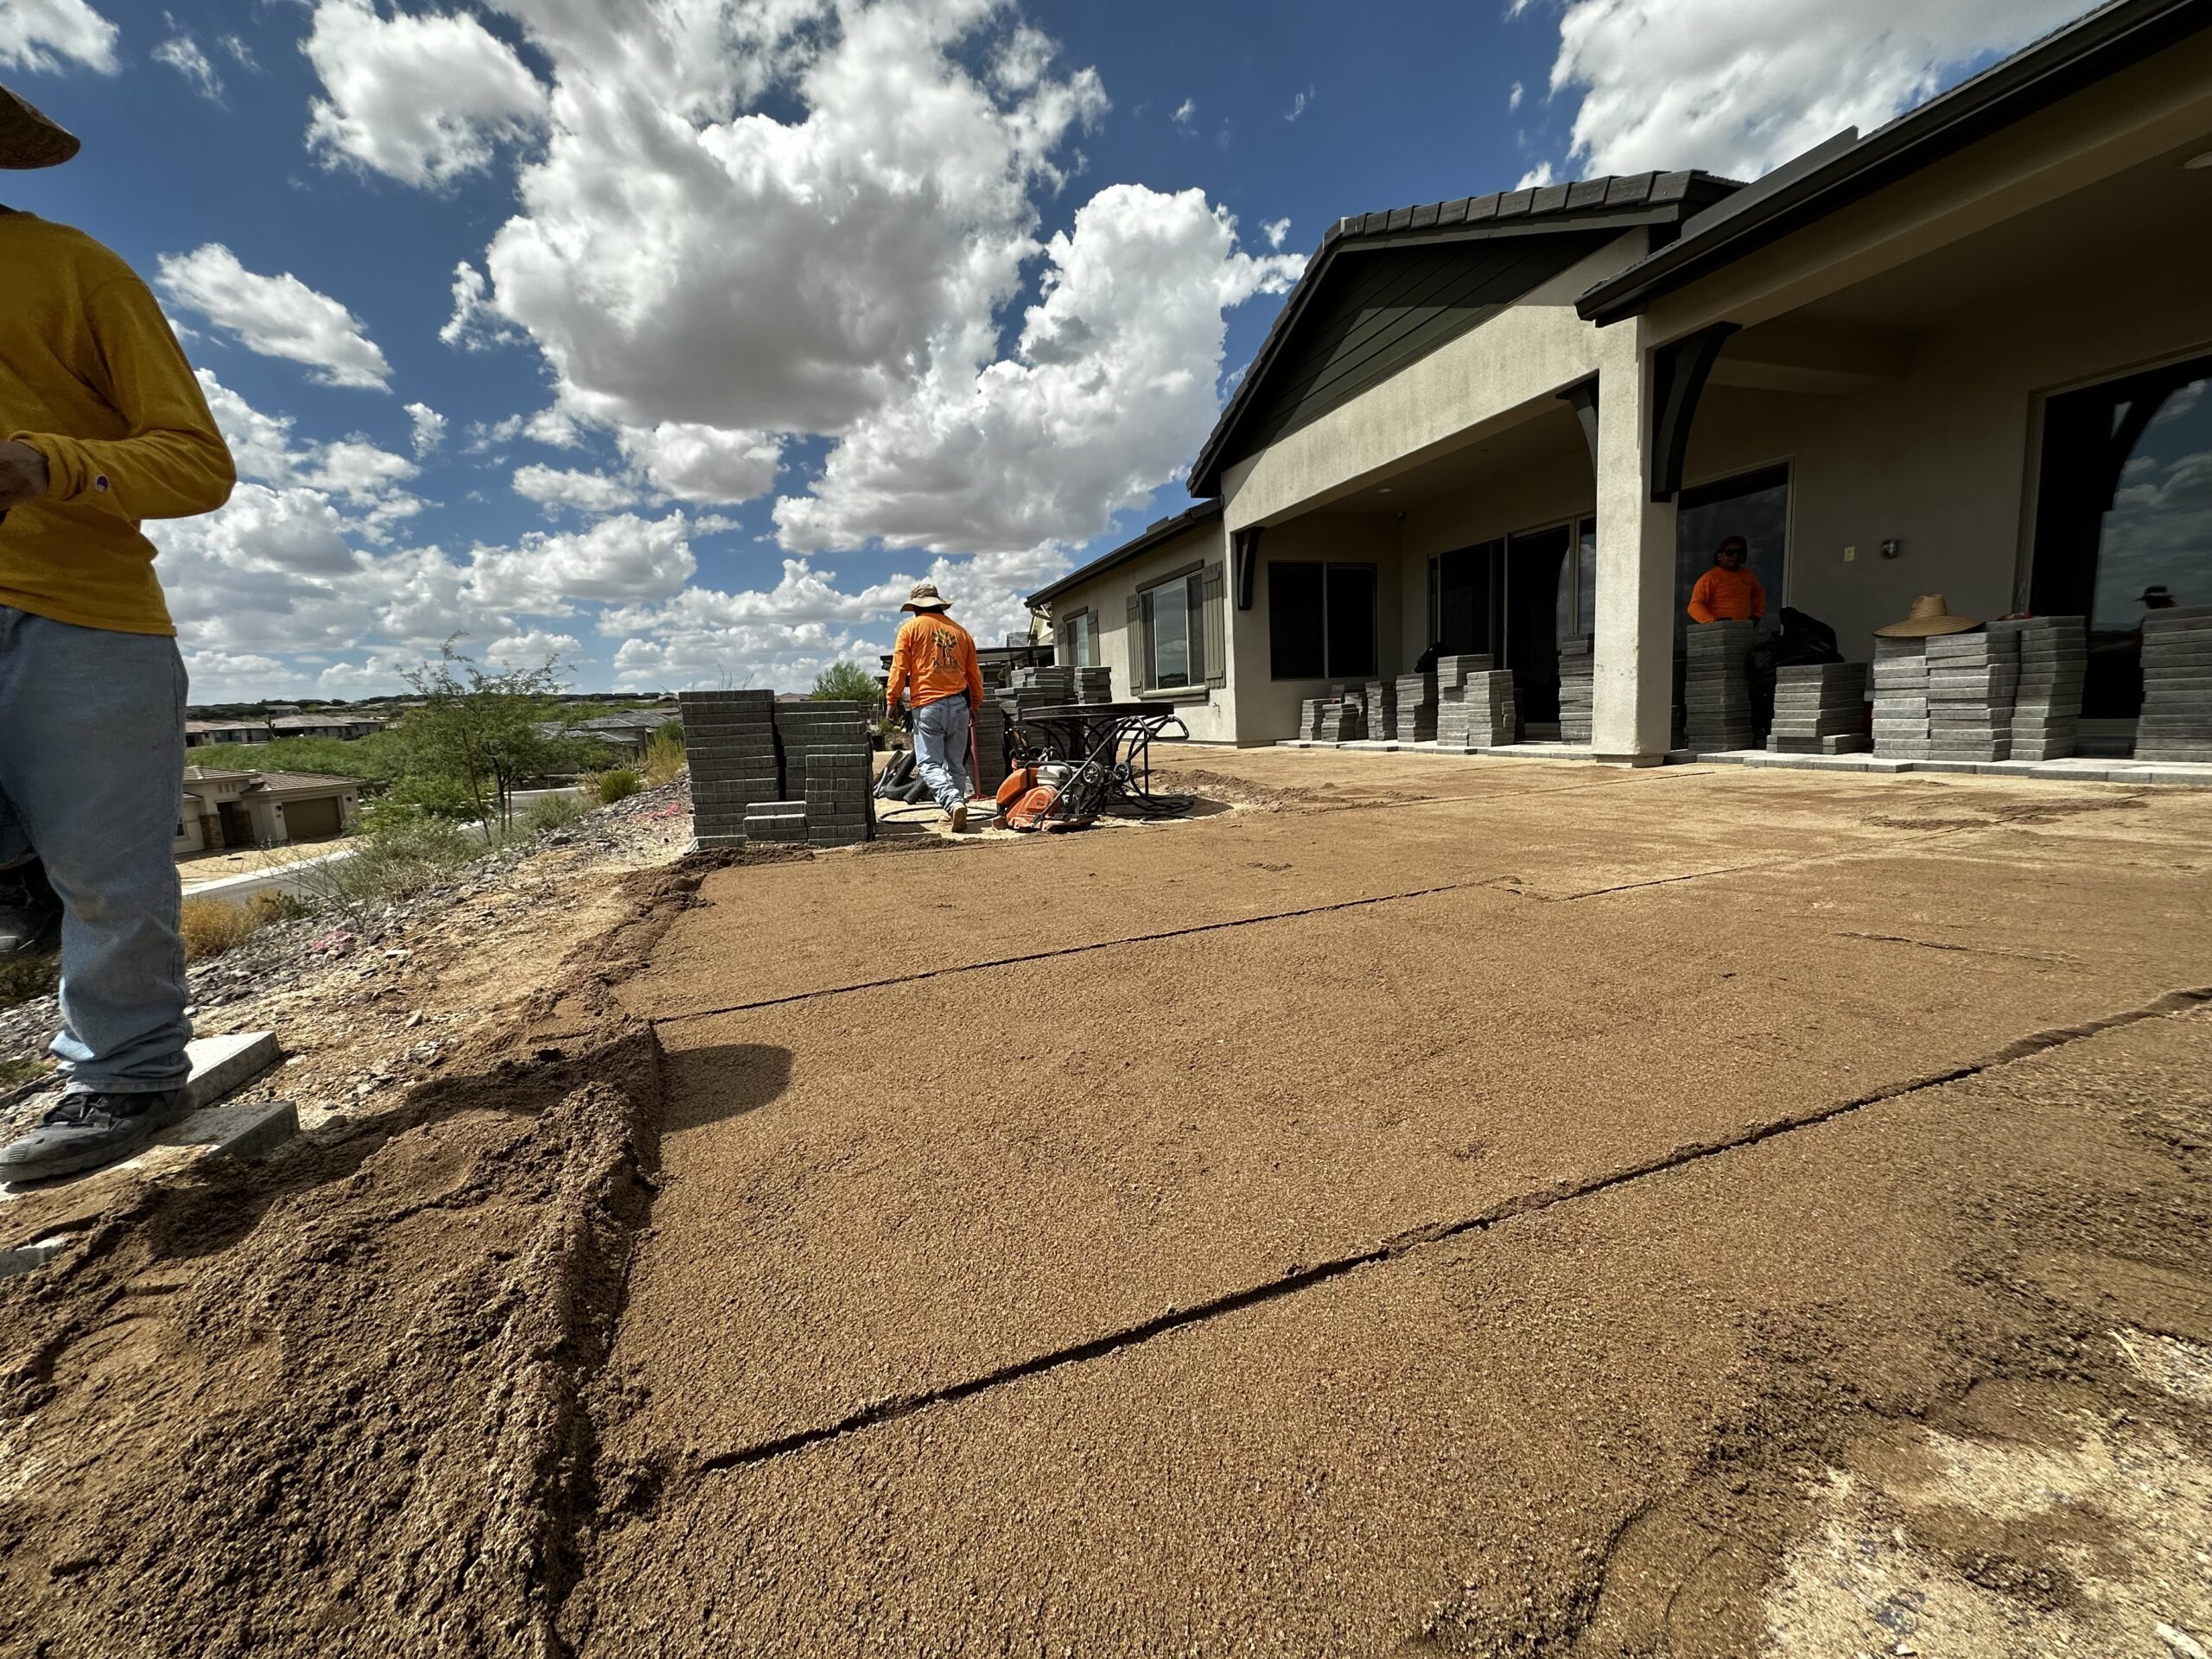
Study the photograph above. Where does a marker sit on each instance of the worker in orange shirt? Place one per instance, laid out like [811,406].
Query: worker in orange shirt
[936,659]
[1728,592]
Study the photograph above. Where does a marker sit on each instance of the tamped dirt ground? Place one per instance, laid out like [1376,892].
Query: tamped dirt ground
[1427,1206]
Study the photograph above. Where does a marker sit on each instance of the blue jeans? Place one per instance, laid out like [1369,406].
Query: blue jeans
[92,768]
[941,749]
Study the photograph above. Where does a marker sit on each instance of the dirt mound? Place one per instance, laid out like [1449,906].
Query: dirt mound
[335,1404]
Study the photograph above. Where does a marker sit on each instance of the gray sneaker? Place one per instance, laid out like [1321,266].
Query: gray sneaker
[30,912]
[85,1131]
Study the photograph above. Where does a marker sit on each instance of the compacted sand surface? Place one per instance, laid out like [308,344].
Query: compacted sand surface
[1420,1206]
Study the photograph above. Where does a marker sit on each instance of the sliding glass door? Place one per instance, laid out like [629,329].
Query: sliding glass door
[2123,517]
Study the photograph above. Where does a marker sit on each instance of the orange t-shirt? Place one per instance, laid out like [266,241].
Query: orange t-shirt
[1727,596]
[935,657]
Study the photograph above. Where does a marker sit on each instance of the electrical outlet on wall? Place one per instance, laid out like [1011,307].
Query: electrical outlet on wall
[1849,553]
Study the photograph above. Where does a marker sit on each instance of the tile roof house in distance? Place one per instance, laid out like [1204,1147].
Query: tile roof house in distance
[224,809]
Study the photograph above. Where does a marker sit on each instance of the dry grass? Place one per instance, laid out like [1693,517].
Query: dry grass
[663,756]
[211,927]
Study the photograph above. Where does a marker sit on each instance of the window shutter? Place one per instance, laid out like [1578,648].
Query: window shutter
[1217,662]
[1140,659]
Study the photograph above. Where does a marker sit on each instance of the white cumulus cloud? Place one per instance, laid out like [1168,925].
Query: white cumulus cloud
[550,488]
[46,37]
[420,98]
[532,649]
[758,274]
[276,316]
[1737,86]
[622,558]
[430,427]
[707,464]
[1111,388]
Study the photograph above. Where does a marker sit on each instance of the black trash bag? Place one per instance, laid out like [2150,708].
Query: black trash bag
[1797,638]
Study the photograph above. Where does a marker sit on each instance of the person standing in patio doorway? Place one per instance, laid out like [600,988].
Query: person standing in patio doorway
[102,425]
[935,657]
[1728,592]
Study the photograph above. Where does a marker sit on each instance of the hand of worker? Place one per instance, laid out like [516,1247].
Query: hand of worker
[22,474]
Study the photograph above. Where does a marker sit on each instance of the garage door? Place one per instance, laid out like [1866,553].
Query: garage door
[309,820]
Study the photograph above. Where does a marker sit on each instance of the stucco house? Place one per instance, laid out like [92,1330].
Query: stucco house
[1966,353]
[198,734]
[261,809]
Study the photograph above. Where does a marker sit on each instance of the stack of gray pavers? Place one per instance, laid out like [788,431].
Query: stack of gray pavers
[1094,685]
[1819,709]
[2047,704]
[1341,719]
[806,729]
[1971,681]
[1577,689]
[1417,700]
[773,821]
[729,739]
[990,746]
[2176,720]
[1716,690]
[1052,684]
[1474,704]
[1900,673]
[837,809]
[1381,711]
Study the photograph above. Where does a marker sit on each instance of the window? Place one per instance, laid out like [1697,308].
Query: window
[1321,621]
[1081,631]
[1174,653]
[2120,530]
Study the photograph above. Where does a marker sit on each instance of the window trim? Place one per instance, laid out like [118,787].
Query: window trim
[1079,613]
[1374,567]
[1191,575]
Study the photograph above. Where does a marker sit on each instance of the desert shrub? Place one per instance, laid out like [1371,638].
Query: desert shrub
[554,812]
[663,756]
[396,857]
[22,981]
[618,785]
[211,927]
[276,905]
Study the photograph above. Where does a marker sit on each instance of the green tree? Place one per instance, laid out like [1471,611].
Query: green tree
[847,682]
[486,732]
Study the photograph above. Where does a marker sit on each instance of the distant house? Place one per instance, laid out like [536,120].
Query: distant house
[629,732]
[344,728]
[198,733]
[261,809]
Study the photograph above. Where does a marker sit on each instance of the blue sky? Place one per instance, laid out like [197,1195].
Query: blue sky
[776,305]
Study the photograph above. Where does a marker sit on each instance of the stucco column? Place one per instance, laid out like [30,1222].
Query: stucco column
[1633,644]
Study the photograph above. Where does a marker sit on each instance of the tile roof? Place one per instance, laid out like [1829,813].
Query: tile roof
[284,780]
[1633,198]
[1150,537]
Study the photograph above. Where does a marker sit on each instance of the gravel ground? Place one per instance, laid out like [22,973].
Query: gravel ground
[284,970]
[1423,1206]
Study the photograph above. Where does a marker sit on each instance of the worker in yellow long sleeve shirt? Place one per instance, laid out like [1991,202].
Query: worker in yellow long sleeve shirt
[101,425]
[1728,592]
[934,657]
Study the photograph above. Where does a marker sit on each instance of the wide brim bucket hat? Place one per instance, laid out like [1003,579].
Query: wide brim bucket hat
[28,138]
[1929,615]
[925,597]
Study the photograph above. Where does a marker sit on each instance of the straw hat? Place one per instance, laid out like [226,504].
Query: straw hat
[28,139]
[925,597]
[1928,615]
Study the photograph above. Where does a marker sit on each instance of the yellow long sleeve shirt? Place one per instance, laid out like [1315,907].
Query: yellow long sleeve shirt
[92,378]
